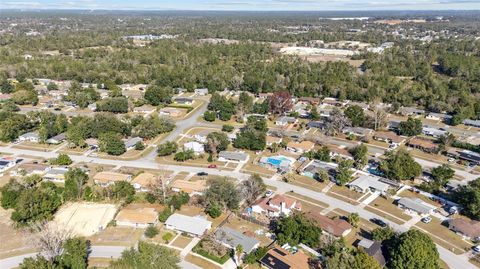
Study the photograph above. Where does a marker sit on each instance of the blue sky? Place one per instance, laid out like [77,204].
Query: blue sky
[288,5]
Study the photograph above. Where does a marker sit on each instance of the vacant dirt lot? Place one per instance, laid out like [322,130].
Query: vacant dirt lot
[13,241]
[85,219]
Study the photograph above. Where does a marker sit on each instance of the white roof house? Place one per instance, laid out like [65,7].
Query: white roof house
[233,156]
[201,91]
[130,143]
[192,225]
[198,148]
[366,183]
[31,137]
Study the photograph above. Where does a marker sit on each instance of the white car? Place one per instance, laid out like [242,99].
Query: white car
[268,193]
[426,219]
[476,249]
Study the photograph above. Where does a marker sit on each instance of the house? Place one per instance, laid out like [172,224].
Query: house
[273,140]
[5,97]
[336,227]
[137,218]
[196,147]
[411,111]
[201,91]
[280,162]
[474,123]
[232,238]
[183,101]
[366,183]
[279,258]
[337,152]
[389,137]
[56,174]
[145,109]
[284,121]
[453,184]
[314,101]
[362,105]
[57,139]
[278,205]
[432,131]
[438,117]
[30,137]
[28,169]
[233,156]
[170,111]
[316,124]
[6,163]
[415,205]
[132,142]
[92,143]
[106,179]
[300,147]
[373,249]
[358,131]
[143,182]
[422,144]
[469,156]
[333,102]
[393,125]
[469,229]
[195,226]
[192,187]
[315,168]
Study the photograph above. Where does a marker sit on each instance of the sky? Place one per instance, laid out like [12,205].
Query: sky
[250,5]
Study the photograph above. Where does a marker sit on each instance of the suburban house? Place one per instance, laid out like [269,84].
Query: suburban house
[280,162]
[316,124]
[56,174]
[339,152]
[336,227]
[300,147]
[363,106]
[328,101]
[192,187]
[232,238]
[92,143]
[137,218]
[195,226]
[366,183]
[278,205]
[373,249]
[284,121]
[415,205]
[315,167]
[142,182]
[145,109]
[57,139]
[438,117]
[201,91]
[6,163]
[469,229]
[30,137]
[279,258]
[273,140]
[233,156]
[183,101]
[411,111]
[130,143]
[389,137]
[196,147]
[106,179]
[453,184]
[358,131]
[393,125]
[469,156]
[474,123]
[314,101]
[28,169]
[422,144]
[170,111]
[432,131]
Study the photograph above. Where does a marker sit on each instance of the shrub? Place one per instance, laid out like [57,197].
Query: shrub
[227,128]
[151,231]
[163,216]
[167,237]
[209,116]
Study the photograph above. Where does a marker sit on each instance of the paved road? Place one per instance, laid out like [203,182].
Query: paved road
[97,252]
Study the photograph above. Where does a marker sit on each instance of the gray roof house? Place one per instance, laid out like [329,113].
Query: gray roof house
[432,131]
[411,111]
[57,139]
[416,205]
[232,238]
[130,143]
[196,226]
[282,121]
[31,136]
[235,156]
[183,101]
[201,91]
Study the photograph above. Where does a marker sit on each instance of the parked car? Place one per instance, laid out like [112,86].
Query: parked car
[212,166]
[268,193]
[379,222]
[426,219]
[202,174]
[476,249]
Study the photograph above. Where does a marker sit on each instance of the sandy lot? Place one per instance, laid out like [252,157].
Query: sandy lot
[85,219]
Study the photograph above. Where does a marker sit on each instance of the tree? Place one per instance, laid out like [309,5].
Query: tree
[123,190]
[151,231]
[216,142]
[62,159]
[167,148]
[296,229]
[139,145]
[413,249]
[252,188]
[184,155]
[383,234]
[156,95]
[344,172]
[379,115]
[214,210]
[148,256]
[113,104]
[253,135]
[10,193]
[209,116]
[469,197]
[400,165]
[442,174]
[336,122]
[50,239]
[323,154]
[280,102]
[222,192]
[411,127]
[75,253]
[356,115]
[25,97]
[75,179]
[166,212]
[52,86]
[353,219]
[111,143]
[244,105]
[356,259]
[360,155]
[314,115]
[227,128]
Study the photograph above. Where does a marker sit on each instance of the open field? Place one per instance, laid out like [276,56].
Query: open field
[99,262]
[85,219]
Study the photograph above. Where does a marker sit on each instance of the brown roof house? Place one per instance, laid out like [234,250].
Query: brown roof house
[278,205]
[191,187]
[279,258]
[336,227]
[469,229]
[389,137]
[143,182]
[106,179]
[300,147]
[423,144]
[137,218]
